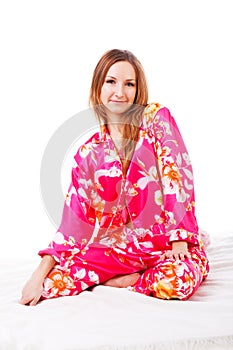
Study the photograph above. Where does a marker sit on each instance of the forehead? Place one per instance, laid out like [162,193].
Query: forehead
[122,69]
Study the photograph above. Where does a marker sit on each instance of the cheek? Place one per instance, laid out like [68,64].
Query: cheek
[104,94]
[132,96]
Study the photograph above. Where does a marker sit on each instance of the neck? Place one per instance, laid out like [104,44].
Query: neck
[116,130]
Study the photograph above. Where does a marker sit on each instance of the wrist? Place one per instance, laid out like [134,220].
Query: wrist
[180,244]
[45,266]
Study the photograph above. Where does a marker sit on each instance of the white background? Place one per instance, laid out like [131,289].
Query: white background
[48,52]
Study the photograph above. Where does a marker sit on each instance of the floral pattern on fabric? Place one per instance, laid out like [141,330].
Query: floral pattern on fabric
[58,283]
[171,279]
[145,211]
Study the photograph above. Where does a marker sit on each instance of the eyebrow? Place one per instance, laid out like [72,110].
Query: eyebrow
[109,76]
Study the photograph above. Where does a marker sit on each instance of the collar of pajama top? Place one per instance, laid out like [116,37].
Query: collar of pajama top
[157,192]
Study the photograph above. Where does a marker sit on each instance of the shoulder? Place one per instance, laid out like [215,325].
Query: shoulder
[159,121]
[155,112]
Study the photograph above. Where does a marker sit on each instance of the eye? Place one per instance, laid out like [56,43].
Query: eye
[130,84]
[110,81]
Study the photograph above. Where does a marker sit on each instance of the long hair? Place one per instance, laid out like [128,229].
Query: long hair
[133,116]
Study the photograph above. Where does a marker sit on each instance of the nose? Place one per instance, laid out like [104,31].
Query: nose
[119,92]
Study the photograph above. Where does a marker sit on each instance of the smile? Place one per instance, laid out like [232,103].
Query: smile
[113,101]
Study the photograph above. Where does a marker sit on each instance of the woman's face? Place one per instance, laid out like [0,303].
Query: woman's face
[119,88]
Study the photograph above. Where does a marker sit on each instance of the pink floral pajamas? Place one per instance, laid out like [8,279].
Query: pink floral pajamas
[95,241]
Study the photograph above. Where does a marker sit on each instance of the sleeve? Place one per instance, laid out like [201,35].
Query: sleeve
[177,219]
[78,218]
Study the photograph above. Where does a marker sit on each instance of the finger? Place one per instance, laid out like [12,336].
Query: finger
[34,301]
[164,256]
[24,300]
[176,256]
[169,255]
[182,256]
[186,254]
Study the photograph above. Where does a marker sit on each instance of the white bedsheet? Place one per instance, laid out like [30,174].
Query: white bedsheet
[109,318]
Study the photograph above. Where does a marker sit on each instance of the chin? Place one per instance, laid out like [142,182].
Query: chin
[118,108]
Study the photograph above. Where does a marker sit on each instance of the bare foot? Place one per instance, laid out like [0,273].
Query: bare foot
[123,281]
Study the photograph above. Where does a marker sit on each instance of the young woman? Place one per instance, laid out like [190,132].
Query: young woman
[128,218]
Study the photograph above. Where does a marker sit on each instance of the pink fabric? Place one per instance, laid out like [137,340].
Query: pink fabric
[156,195]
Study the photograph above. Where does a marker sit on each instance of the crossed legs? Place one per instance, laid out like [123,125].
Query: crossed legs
[166,279]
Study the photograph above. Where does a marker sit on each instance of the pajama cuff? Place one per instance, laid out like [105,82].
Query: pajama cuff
[61,248]
[184,235]
[63,258]
[51,252]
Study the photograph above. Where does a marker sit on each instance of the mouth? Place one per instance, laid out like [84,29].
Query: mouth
[115,101]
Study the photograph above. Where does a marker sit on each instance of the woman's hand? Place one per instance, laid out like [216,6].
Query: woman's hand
[179,251]
[32,291]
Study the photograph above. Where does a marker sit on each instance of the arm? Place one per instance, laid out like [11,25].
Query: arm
[78,218]
[177,220]
[75,230]
[33,289]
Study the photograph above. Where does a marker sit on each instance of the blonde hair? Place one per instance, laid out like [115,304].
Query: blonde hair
[133,116]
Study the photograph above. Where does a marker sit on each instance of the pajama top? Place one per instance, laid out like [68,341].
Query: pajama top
[151,206]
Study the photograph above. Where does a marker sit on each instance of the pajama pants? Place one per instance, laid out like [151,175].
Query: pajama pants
[95,264]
